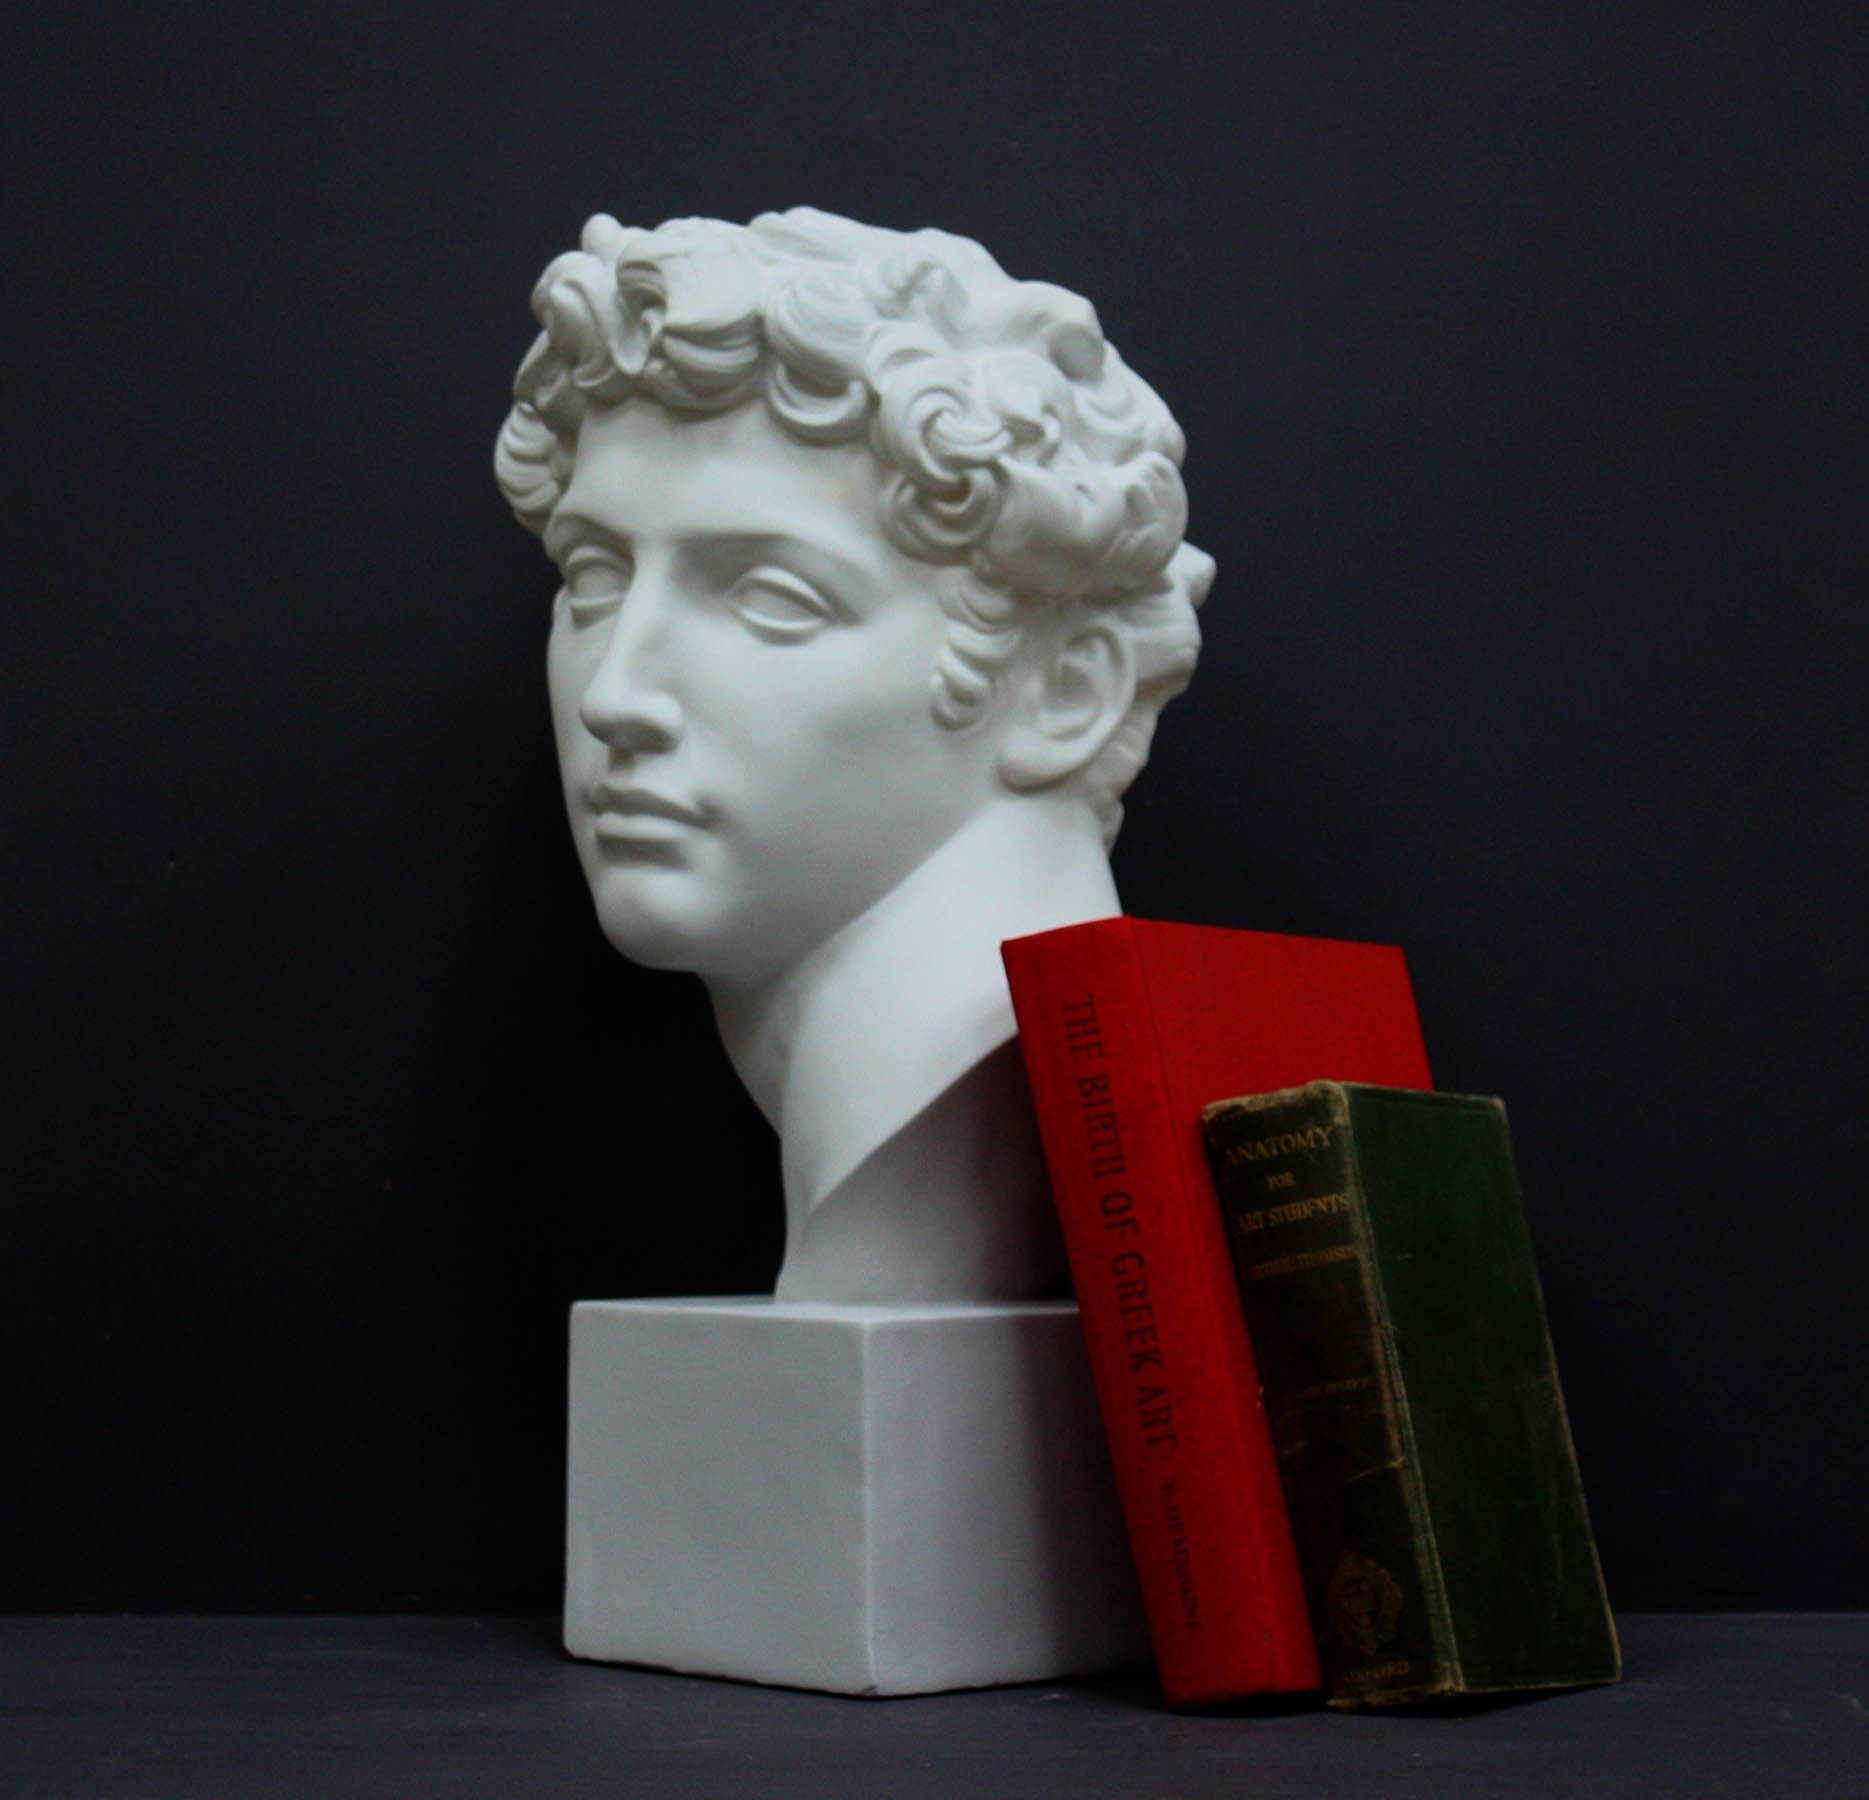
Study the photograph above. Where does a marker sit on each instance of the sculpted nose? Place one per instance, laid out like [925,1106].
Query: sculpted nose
[627,702]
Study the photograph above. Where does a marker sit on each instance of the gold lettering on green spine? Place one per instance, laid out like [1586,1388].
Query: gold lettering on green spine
[1300,1243]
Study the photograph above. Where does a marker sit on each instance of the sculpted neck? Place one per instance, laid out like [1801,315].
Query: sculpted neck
[856,1040]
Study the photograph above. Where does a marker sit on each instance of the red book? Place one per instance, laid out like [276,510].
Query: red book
[1128,1029]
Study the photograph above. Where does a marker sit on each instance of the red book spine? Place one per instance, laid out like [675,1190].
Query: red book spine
[1172,1363]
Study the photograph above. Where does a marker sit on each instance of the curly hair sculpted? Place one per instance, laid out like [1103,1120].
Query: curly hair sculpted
[1017,449]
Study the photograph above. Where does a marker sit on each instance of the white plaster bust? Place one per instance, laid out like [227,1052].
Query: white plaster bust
[873,586]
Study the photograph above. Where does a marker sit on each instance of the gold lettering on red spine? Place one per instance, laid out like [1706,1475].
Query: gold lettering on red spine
[1100,1118]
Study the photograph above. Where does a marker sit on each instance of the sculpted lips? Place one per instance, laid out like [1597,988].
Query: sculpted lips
[629,816]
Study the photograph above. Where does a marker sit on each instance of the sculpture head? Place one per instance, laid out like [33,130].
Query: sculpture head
[860,537]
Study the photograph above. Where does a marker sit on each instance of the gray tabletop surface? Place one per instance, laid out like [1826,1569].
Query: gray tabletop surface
[145,1708]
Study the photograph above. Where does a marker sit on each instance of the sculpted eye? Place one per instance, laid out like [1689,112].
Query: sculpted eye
[595,583]
[779,605]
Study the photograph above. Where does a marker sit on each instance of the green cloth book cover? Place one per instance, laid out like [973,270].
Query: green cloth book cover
[1388,1283]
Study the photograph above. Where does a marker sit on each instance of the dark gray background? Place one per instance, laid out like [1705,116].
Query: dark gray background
[1524,354]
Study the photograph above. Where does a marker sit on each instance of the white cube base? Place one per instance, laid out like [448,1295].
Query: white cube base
[863,1500]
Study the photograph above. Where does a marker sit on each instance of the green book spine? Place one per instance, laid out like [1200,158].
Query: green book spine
[1388,1283]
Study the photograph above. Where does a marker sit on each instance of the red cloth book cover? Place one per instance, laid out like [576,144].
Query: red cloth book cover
[1128,1028]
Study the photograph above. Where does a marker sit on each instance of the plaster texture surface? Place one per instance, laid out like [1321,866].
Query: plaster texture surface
[861,1500]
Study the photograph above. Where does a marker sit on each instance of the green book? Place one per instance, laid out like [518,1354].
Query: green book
[1388,1283]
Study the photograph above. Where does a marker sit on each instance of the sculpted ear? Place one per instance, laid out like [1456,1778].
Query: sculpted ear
[1069,709]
